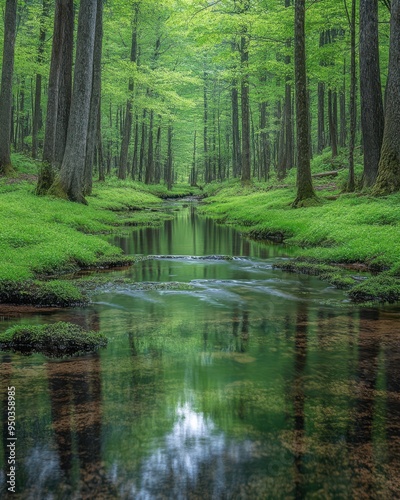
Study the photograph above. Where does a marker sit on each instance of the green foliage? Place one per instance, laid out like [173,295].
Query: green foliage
[58,339]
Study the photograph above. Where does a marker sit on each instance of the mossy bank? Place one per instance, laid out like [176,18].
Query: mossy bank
[339,229]
[45,237]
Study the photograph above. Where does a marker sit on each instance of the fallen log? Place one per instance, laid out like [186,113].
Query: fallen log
[331,173]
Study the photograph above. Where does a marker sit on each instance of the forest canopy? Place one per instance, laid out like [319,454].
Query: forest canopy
[196,91]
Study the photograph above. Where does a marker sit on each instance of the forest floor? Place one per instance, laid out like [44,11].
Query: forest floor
[43,238]
[343,231]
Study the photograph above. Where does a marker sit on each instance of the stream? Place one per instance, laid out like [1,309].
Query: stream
[249,383]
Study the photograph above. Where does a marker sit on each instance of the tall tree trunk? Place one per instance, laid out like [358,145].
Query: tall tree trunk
[372,115]
[353,110]
[207,177]
[157,163]
[142,145]
[10,23]
[93,128]
[388,180]
[236,153]
[168,175]
[264,142]
[149,177]
[126,134]
[245,102]
[135,149]
[332,118]
[69,182]
[59,94]
[37,112]
[321,104]
[305,188]
[193,173]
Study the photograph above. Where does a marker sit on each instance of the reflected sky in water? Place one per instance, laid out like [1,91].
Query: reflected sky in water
[252,384]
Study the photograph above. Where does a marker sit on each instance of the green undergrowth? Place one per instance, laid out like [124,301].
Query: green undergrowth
[56,340]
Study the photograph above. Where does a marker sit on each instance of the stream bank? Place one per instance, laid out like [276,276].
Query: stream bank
[351,229]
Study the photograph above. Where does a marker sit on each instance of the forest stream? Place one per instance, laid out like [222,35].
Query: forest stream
[245,382]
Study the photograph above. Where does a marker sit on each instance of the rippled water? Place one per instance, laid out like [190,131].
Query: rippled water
[253,383]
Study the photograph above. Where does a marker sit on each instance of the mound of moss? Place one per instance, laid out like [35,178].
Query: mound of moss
[381,288]
[56,340]
[325,272]
[56,293]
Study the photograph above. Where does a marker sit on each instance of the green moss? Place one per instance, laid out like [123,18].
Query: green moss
[58,339]
[382,288]
[57,293]
[331,274]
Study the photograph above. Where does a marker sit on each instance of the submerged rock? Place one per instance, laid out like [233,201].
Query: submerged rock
[56,340]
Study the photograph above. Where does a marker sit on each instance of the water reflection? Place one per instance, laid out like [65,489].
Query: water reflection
[252,384]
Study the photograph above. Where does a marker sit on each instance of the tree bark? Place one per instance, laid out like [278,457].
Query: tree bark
[37,112]
[69,182]
[245,104]
[10,24]
[59,94]
[127,129]
[353,110]
[388,180]
[305,190]
[93,128]
[372,114]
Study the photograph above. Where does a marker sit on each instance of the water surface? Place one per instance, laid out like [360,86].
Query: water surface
[252,384]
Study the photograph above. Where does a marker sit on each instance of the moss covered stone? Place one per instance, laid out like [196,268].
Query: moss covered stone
[58,339]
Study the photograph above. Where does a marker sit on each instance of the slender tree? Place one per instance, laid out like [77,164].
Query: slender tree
[10,22]
[305,188]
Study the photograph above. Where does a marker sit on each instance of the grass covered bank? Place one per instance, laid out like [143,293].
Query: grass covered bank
[45,236]
[341,229]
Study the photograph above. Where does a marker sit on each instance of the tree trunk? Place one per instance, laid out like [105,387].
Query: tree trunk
[135,149]
[205,133]
[321,104]
[305,188]
[69,182]
[388,180]
[168,176]
[372,115]
[149,177]
[245,102]
[157,164]
[10,22]
[142,145]
[236,154]
[94,129]
[332,118]
[126,134]
[37,112]
[59,94]
[353,110]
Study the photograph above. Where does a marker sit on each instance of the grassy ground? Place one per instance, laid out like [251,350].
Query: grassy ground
[342,228]
[42,236]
